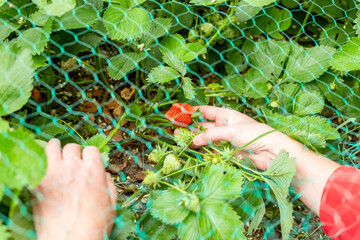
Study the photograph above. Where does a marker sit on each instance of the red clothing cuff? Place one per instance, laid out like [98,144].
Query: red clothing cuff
[340,204]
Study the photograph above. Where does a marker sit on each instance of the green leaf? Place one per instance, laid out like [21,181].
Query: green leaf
[245,11]
[334,35]
[219,183]
[268,56]
[4,126]
[176,45]
[175,63]
[305,65]
[259,3]
[279,176]
[179,14]
[163,74]
[127,3]
[124,225]
[39,61]
[250,203]
[81,17]
[4,231]
[56,7]
[312,131]
[2,2]
[207,2]
[22,223]
[347,57]
[235,63]
[22,160]
[252,86]
[6,28]
[49,127]
[308,102]
[124,63]
[256,220]
[215,221]
[344,97]
[169,208]
[97,141]
[126,24]
[16,79]
[188,88]
[156,230]
[35,39]
[157,28]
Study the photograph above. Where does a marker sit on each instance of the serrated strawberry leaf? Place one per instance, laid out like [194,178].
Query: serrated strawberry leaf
[347,58]
[259,3]
[169,208]
[308,102]
[188,88]
[157,28]
[16,79]
[185,52]
[305,65]
[279,176]
[123,225]
[4,125]
[124,63]
[126,24]
[313,131]
[216,221]
[22,159]
[56,7]
[219,183]
[163,74]
[81,17]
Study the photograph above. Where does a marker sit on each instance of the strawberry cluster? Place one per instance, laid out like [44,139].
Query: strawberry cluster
[180,114]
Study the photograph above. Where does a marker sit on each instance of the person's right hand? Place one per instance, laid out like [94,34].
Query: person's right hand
[239,129]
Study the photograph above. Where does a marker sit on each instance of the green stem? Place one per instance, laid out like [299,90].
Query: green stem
[131,197]
[172,186]
[185,169]
[118,125]
[224,24]
[305,20]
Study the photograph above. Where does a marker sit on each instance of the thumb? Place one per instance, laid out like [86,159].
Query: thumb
[213,135]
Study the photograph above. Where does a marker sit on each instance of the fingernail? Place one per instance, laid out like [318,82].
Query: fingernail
[197,140]
[56,142]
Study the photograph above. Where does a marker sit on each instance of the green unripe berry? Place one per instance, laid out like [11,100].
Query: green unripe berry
[332,86]
[269,86]
[274,104]
[215,160]
[154,156]
[171,164]
[192,35]
[207,29]
[192,202]
[151,178]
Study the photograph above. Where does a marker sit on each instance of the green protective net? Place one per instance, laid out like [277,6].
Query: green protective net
[104,73]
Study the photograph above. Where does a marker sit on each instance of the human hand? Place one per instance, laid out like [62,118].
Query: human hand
[239,129]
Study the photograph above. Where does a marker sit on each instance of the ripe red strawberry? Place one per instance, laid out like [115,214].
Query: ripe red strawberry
[180,114]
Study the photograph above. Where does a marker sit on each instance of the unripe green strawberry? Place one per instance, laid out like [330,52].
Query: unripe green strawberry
[215,160]
[274,104]
[191,202]
[269,86]
[332,86]
[171,164]
[207,29]
[207,158]
[229,33]
[151,178]
[192,35]
[154,156]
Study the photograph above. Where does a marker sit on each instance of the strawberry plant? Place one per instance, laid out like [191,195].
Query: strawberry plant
[104,73]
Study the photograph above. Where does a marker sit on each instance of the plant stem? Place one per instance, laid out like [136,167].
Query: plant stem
[118,125]
[172,186]
[185,169]
[305,20]
[224,24]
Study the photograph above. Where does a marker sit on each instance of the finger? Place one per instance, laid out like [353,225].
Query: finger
[213,135]
[223,116]
[112,188]
[53,152]
[92,155]
[71,152]
[195,129]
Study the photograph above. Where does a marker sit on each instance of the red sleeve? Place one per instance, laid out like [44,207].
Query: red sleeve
[340,204]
